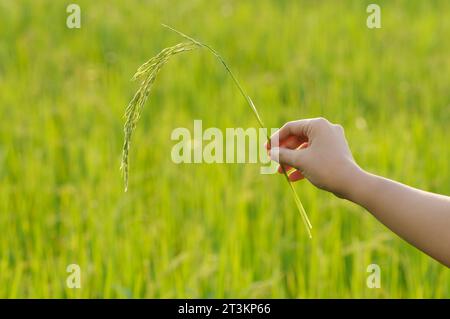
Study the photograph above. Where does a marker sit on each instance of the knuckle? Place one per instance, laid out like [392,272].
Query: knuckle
[321,121]
[288,126]
[339,127]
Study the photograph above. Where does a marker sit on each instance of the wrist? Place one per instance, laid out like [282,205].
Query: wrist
[357,184]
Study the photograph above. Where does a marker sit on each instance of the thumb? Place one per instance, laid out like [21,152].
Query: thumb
[286,156]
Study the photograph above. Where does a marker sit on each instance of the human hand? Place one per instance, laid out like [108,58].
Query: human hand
[318,151]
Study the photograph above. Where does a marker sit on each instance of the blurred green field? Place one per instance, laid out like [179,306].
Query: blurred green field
[213,230]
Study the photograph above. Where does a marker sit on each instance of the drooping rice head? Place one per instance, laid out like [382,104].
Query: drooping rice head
[148,73]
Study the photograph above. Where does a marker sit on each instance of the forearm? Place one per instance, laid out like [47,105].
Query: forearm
[319,151]
[419,217]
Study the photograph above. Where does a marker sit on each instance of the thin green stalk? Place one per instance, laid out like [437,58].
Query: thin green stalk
[246,97]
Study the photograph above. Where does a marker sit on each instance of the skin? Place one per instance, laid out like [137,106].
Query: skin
[317,150]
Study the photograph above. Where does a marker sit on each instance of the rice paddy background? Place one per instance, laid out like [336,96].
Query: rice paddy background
[213,230]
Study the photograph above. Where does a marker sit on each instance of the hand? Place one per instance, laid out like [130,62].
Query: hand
[318,150]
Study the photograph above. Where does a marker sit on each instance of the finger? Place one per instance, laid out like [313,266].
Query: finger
[296,176]
[285,156]
[291,142]
[286,168]
[300,129]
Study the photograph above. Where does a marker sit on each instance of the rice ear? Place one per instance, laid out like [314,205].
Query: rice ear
[148,73]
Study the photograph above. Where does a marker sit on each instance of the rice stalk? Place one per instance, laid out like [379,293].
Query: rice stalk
[148,72]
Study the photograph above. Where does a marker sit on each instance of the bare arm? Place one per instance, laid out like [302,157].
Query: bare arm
[318,150]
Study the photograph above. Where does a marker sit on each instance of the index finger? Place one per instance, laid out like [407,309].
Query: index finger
[299,128]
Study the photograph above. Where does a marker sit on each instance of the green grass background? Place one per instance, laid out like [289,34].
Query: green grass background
[213,230]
